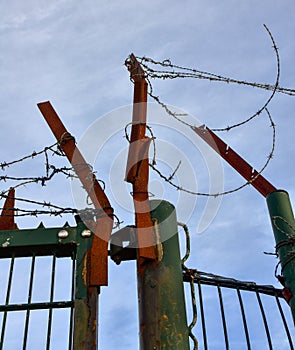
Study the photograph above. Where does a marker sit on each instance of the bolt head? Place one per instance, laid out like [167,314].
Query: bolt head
[63,234]
[86,233]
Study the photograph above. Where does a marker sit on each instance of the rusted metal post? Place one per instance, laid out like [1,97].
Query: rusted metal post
[163,322]
[283,224]
[137,171]
[86,298]
[235,160]
[162,313]
[7,215]
[103,226]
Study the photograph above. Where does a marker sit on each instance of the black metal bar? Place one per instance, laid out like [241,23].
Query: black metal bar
[51,301]
[213,280]
[29,302]
[264,321]
[62,250]
[223,318]
[37,306]
[285,323]
[244,319]
[7,301]
[202,316]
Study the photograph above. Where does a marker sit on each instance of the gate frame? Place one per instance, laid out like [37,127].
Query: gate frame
[66,241]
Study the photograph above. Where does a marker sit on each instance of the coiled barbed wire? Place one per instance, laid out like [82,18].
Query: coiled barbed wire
[169,178]
[51,170]
[184,72]
[177,71]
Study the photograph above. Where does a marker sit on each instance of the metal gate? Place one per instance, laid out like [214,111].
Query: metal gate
[236,315]
[45,299]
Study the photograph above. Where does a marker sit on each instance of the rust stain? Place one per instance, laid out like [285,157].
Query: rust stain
[7,215]
[137,171]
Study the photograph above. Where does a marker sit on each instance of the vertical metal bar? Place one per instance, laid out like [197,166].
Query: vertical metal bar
[137,171]
[244,319]
[264,321]
[202,316]
[29,301]
[285,323]
[51,300]
[7,301]
[195,313]
[86,299]
[223,318]
[72,299]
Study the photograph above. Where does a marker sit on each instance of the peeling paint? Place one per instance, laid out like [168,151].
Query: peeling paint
[6,243]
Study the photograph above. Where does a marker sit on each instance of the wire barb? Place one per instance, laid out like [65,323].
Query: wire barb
[51,171]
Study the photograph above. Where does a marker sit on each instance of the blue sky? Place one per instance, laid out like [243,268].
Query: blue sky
[73,53]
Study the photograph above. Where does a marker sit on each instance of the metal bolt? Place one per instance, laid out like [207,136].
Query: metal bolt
[63,234]
[86,233]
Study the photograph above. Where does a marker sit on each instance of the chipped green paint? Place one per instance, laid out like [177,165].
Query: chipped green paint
[85,327]
[163,323]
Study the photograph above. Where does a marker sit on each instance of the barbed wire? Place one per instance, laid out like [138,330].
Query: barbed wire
[54,210]
[51,170]
[153,138]
[169,178]
[288,242]
[197,74]
[68,171]
[32,155]
[184,72]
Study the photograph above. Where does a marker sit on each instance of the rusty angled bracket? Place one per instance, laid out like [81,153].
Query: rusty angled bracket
[237,162]
[104,224]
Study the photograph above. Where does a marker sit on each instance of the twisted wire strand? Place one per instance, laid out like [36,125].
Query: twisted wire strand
[168,179]
[50,172]
[289,241]
[194,73]
[192,285]
[184,72]
[32,155]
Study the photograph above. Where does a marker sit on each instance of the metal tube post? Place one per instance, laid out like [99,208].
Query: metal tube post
[162,313]
[283,224]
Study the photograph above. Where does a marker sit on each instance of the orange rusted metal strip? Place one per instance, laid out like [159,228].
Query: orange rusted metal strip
[104,225]
[7,215]
[137,171]
[235,160]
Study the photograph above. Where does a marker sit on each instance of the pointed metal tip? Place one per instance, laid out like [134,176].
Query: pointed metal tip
[66,224]
[41,225]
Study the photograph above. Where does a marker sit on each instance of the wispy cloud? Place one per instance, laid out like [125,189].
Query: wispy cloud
[73,54]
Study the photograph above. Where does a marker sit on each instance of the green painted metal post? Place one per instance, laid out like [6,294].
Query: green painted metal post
[283,225]
[86,297]
[162,313]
